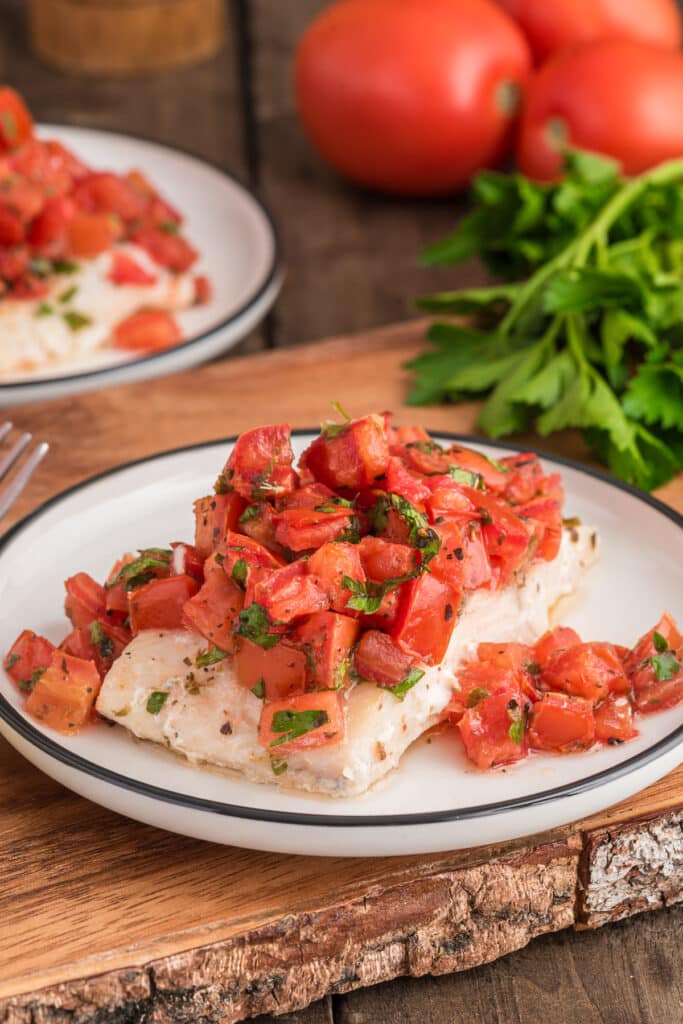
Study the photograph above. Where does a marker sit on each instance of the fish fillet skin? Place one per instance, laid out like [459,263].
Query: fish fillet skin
[212,720]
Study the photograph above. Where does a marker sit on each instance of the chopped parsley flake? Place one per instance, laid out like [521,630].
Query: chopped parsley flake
[259,688]
[239,570]
[76,321]
[27,684]
[400,691]
[660,642]
[254,624]
[209,657]
[100,640]
[156,701]
[292,724]
[665,665]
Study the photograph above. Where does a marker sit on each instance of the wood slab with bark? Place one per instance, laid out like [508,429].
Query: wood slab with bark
[105,920]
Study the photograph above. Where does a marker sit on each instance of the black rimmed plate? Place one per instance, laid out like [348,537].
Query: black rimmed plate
[238,248]
[434,801]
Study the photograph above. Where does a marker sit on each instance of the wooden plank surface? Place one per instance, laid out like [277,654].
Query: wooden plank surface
[118,896]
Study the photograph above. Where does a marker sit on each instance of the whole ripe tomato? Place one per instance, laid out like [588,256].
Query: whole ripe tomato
[411,97]
[553,26]
[616,97]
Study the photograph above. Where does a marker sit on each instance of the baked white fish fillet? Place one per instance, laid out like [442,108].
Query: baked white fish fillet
[211,719]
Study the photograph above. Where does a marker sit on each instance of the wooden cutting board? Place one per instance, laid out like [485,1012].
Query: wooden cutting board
[106,919]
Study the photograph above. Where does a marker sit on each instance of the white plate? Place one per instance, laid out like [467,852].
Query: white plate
[238,250]
[434,801]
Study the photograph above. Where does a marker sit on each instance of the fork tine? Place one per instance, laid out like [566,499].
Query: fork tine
[5,429]
[10,495]
[13,454]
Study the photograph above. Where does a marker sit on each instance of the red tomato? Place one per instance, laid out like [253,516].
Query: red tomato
[150,330]
[65,694]
[29,287]
[380,660]
[562,723]
[328,566]
[290,593]
[480,679]
[203,290]
[400,480]
[426,457]
[49,165]
[505,536]
[518,659]
[48,234]
[14,263]
[85,599]
[426,617]
[645,648]
[555,26]
[11,226]
[328,638]
[28,654]
[159,604]
[321,713]
[167,249]
[259,524]
[16,124]
[658,683]
[214,517]
[260,464]
[524,478]
[252,556]
[616,97]
[104,192]
[384,559]
[590,671]
[281,668]
[301,529]
[214,610]
[352,458]
[103,649]
[614,720]
[401,436]
[307,497]
[492,731]
[125,270]
[410,97]
[545,517]
[494,474]
[90,234]
[186,560]
[21,196]
[448,499]
[558,639]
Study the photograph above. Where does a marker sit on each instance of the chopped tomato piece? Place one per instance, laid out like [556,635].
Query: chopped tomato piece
[302,722]
[30,286]
[524,476]
[90,234]
[352,457]
[493,730]
[278,672]
[400,480]
[562,723]
[449,500]
[14,262]
[16,124]
[330,564]
[214,517]
[308,496]
[125,270]
[479,679]
[558,639]
[545,518]
[203,290]
[290,593]
[28,654]
[427,615]
[258,522]
[48,233]
[518,659]
[590,671]
[655,667]
[85,599]
[186,560]
[11,226]
[242,556]
[102,643]
[150,330]
[384,559]
[214,610]
[160,604]
[505,536]
[260,464]
[380,660]
[328,638]
[399,437]
[64,695]
[104,192]
[462,560]
[301,529]
[614,720]
[21,196]
[426,457]
[166,248]
[494,474]
[646,648]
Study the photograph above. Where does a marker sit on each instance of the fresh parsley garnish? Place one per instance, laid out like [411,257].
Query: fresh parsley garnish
[665,666]
[400,691]
[26,685]
[222,484]
[330,429]
[475,695]
[9,126]
[69,294]
[292,724]
[239,570]
[518,718]
[76,321]
[139,571]
[156,701]
[11,660]
[209,657]
[420,533]
[254,625]
[466,476]
[64,267]
[278,765]
[250,512]
[44,309]
[533,668]
[171,227]
[259,688]
[100,640]
[660,642]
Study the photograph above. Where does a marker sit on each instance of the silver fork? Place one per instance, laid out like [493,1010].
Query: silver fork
[10,491]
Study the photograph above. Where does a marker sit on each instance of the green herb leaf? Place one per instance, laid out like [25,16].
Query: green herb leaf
[250,512]
[209,657]
[259,689]
[240,570]
[660,642]
[254,624]
[400,691]
[171,227]
[11,660]
[278,766]
[69,294]
[132,572]
[76,321]
[44,309]
[665,665]
[26,685]
[475,695]
[99,639]
[64,267]
[466,476]
[516,730]
[156,701]
[420,533]
[292,724]
[222,485]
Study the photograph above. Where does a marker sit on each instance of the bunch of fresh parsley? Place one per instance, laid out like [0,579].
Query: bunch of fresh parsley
[587,329]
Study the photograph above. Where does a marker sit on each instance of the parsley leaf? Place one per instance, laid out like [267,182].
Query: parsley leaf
[660,642]
[518,718]
[209,657]
[156,701]
[466,476]
[292,724]
[420,533]
[138,572]
[475,695]
[400,691]
[239,570]
[278,766]
[76,321]
[99,639]
[254,625]
[11,660]
[26,685]
[259,688]
[665,666]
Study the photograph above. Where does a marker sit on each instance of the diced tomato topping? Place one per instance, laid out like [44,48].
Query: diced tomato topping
[28,654]
[383,559]
[614,720]
[14,263]
[125,270]
[478,680]
[150,330]
[301,529]
[353,457]
[320,714]
[590,671]
[380,660]
[258,522]
[401,436]
[48,234]
[330,564]
[203,290]
[214,610]
[505,535]
[11,226]
[426,457]
[260,464]
[448,499]
[561,722]
[85,599]
[19,195]
[102,643]
[494,474]
[523,480]
[104,192]
[167,249]
[308,496]
[400,480]
[242,557]
[645,648]
[517,659]
[279,671]
[492,730]
[160,603]
[214,517]
[186,560]
[327,638]
[29,287]
[16,124]
[427,615]
[290,593]
[64,695]
[545,518]
[655,667]
[558,639]
[90,234]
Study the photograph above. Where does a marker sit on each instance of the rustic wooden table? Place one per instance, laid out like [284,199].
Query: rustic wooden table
[351,260]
